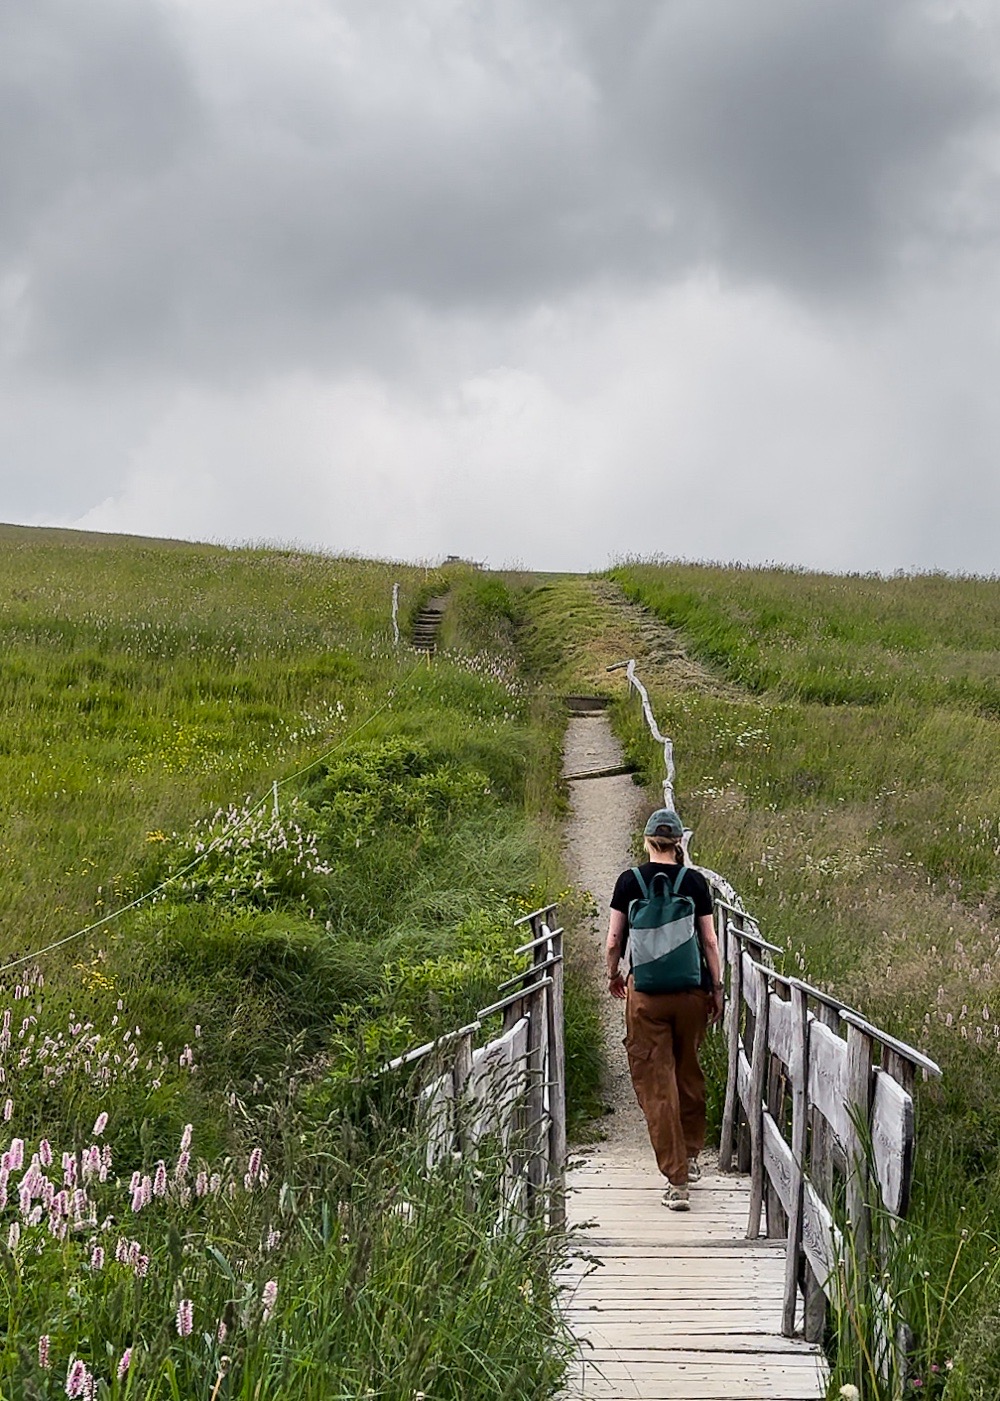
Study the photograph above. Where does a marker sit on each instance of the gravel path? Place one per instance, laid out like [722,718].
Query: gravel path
[605,812]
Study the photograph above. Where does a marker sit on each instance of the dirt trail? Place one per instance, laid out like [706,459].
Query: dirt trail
[605,812]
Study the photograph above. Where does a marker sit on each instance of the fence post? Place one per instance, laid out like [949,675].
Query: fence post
[556,1077]
[537,1135]
[727,1137]
[798,1074]
[755,1109]
[859,1072]
[461,1069]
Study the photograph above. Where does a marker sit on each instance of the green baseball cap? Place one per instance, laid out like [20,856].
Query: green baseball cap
[664,822]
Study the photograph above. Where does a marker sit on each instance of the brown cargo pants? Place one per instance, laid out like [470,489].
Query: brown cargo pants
[663,1032]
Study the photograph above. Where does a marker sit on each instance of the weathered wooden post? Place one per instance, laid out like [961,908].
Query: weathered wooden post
[755,1109]
[556,1077]
[798,1073]
[537,1135]
[727,1136]
[859,1089]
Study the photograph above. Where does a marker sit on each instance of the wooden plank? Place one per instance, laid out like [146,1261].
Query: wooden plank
[496,1080]
[755,1102]
[437,1106]
[859,1102]
[779,1163]
[777,1093]
[691,1376]
[779,1028]
[892,1142]
[751,983]
[821,1241]
[828,1079]
[743,1079]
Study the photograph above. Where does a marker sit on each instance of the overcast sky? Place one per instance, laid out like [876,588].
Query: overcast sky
[531,282]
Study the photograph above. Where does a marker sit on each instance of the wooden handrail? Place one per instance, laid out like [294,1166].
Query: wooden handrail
[531,972]
[418,1053]
[506,1002]
[542,939]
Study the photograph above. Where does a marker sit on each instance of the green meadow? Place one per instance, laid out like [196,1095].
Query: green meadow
[206,1191]
[252,850]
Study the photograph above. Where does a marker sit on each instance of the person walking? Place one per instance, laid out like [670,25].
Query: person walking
[661,916]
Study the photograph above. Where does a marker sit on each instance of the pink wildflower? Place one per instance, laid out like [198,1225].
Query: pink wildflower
[100,1124]
[121,1250]
[183,1163]
[214,1183]
[16,1152]
[8,1111]
[253,1166]
[43,1352]
[97,1258]
[201,1184]
[160,1180]
[13,1236]
[76,1378]
[142,1267]
[186,1138]
[269,1297]
[221,1332]
[45,1153]
[185,1318]
[69,1169]
[273,1239]
[124,1364]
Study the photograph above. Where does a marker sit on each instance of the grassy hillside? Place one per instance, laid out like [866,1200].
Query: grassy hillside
[200,1194]
[844,771]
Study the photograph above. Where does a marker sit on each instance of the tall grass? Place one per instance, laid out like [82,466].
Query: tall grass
[153,691]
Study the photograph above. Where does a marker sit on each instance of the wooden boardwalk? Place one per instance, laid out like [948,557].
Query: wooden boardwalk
[680,1307]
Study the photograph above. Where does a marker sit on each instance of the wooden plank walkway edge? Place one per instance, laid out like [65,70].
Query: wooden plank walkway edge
[676,1306]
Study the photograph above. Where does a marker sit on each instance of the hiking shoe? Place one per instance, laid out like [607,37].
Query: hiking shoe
[676,1198]
[694,1170]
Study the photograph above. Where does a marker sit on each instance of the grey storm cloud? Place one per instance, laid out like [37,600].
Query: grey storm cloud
[482,275]
[192,192]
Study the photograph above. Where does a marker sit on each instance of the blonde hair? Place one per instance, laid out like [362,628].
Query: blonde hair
[661,845]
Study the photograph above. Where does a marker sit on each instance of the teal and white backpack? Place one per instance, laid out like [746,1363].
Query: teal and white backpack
[664,948]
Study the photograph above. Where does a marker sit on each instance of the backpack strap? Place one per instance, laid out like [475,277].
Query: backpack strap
[643,887]
[679,878]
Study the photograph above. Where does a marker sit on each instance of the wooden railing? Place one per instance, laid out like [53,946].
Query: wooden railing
[819,1105]
[819,1111]
[512,1087]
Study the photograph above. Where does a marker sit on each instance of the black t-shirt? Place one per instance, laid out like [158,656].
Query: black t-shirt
[693,884]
